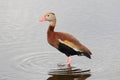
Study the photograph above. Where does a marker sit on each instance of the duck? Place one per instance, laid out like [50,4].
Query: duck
[64,42]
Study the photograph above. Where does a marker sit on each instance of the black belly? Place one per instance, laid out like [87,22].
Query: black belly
[68,51]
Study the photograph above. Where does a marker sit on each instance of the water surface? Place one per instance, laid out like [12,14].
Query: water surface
[26,55]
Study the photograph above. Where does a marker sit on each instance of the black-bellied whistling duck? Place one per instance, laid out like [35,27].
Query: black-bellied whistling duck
[64,42]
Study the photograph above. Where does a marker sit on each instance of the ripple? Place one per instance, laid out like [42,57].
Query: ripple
[68,73]
[68,70]
[35,62]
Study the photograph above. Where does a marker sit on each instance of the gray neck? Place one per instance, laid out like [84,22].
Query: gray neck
[53,23]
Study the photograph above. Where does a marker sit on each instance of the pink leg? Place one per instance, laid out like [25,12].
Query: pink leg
[69,60]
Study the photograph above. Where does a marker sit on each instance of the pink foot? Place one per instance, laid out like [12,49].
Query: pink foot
[69,60]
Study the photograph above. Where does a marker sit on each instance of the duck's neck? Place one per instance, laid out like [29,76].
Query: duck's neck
[51,26]
[53,23]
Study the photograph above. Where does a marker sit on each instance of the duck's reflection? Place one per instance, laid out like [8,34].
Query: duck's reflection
[68,73]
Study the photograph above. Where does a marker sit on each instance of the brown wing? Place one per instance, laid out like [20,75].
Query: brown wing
[71,41]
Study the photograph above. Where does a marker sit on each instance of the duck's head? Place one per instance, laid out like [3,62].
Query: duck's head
[48,17]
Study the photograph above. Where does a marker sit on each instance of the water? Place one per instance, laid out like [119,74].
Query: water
[68,73]
[26,55]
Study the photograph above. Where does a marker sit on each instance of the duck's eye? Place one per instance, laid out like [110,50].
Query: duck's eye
[48,15]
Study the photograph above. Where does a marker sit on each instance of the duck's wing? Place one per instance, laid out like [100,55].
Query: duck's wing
[70,41]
